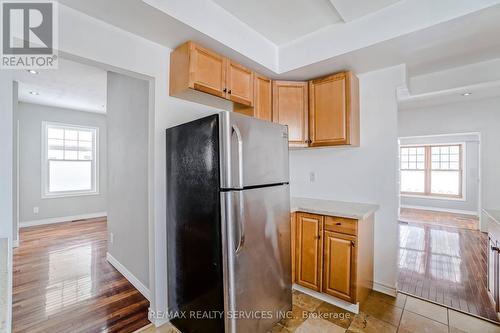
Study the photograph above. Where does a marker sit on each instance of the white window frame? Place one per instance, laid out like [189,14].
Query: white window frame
[463,164]
[46,194]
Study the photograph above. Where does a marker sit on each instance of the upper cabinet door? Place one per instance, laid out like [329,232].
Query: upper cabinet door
[207,71]
[239,83]
[290,107]
[263,98]
[334,110]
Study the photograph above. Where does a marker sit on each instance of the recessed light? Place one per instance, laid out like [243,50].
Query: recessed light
[34,93]
[32,71]
[467,94]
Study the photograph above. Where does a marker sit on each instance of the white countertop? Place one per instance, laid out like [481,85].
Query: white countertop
[351,210]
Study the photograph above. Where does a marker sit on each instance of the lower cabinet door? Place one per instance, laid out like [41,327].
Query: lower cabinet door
[339,267]
[308,250]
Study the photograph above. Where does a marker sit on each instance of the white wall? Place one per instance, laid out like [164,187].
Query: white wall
[474,116]
[6,163]
[367,174]
[85,37]
[127,114]
[30,118]
[469,203]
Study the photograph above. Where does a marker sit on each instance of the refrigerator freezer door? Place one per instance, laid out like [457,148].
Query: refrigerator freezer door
[253,152]
[257,266]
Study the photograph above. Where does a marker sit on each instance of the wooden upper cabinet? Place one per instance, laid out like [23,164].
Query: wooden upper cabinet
[308,250]
[195,67]
[290,107]
[263,106]
[239,83]
[334,110]
[339,267]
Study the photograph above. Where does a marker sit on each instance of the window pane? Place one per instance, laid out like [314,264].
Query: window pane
[413,181]
[454,158]
[55,133]
[454,166]
[55,154]
[70,155]
[435,165]
[454,150]
[70,144]
[445,165]
[70,176]
[71,135]
[85,155]
[85,136]
[445,182]
[412,165]
[85,145]
[56,144]
[445,150]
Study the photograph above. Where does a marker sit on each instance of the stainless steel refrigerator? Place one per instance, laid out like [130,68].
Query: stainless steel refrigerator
[228,224]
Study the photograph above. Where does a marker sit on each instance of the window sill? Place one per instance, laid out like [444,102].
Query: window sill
[69,195]
[432,197]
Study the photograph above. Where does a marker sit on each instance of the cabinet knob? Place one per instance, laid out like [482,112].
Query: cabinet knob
[338,223]
[318,237]
[496,249]
[229,91]
[225,89]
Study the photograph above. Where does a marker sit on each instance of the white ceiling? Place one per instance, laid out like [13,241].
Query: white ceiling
[354,9]
[73,85]
[282,21]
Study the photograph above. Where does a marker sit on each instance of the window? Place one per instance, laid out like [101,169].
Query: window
[432,170]
[69,160]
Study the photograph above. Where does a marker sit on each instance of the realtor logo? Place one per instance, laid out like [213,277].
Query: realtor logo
[29,34]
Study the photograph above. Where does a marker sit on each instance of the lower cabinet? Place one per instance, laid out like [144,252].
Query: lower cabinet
[309,250]
[333,255]
[339,267]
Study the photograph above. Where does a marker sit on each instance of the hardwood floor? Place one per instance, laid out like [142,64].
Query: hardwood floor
[63,283]
[439,218]
[445,265]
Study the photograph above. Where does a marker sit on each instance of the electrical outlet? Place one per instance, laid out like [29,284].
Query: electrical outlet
[111,237]
[36,210]
[312,176]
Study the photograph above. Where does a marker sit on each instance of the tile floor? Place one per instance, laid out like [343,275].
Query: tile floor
[379,314]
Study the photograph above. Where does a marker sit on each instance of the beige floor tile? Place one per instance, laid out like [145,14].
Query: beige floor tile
[412,322]
[318,325]
[471,324]
[456,330]
[427,309]
[382,310]
[364,323]
[398,301]
[278,328]
[305,302]
[335,315]
[298,316]
[167,328]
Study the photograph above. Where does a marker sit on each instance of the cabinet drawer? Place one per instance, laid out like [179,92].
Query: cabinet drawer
[342,225]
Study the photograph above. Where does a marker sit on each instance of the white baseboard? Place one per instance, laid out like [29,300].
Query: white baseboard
[61,219]
[15,243]
[328,299]
[446,210]
[385,289]
[129,276]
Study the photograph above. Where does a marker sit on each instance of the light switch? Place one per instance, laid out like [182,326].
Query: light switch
[36,210]
[312,176]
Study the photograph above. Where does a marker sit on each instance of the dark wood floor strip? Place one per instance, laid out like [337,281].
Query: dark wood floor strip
[63,283]
[445,265]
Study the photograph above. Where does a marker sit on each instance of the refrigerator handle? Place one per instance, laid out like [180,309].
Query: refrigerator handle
[241,225]
[236,131]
